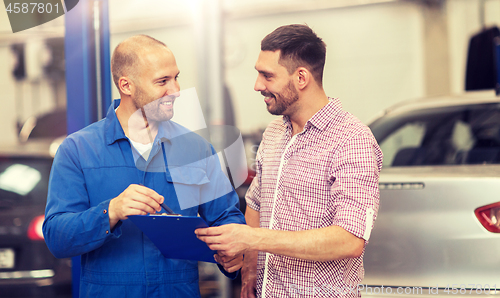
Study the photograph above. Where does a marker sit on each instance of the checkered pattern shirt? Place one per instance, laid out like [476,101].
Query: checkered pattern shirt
[326,175]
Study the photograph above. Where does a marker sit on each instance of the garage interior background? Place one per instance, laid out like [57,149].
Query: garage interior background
[379,52]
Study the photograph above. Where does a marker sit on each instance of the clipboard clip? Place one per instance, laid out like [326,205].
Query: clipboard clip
[166,214]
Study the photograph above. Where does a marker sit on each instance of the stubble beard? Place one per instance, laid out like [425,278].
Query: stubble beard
[283,100]
[150,108]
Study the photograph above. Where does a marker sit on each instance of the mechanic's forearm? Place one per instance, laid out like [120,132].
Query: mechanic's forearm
[71,234]
[325,244]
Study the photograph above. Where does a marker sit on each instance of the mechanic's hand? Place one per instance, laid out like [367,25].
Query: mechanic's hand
[230,264]
[135,200]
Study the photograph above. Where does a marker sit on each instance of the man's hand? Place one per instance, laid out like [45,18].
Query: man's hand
[229,240]
[135,200]
[230,264]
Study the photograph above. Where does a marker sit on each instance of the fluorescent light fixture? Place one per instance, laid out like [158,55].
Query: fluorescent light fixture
[46,273]
[252,8]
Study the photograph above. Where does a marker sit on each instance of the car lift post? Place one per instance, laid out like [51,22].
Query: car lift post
[88,75]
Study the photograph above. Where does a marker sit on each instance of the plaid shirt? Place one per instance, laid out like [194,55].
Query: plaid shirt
[326,175]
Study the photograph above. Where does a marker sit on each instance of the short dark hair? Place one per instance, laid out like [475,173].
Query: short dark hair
[125,56]
[299,46]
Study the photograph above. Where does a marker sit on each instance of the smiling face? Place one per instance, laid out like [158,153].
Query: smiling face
[275,84]
[156,85]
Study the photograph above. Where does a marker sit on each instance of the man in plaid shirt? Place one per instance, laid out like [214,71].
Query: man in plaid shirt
[315,197]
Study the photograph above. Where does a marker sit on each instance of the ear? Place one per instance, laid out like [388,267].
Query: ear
[125,85]
[303,76]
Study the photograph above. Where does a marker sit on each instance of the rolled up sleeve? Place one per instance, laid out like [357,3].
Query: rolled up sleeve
[354,192]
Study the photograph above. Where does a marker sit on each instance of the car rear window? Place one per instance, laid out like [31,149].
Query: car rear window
[24,180]
[455,135]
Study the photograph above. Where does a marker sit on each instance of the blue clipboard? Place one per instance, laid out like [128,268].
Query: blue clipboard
[174,236]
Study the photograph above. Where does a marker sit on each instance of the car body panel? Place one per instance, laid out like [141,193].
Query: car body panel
[35,272]
[426,233]
[428,236]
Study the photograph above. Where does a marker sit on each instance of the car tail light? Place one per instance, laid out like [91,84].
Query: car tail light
[251,175]
[35,228]
[489,217]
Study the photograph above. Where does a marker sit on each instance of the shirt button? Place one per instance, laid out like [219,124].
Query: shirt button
[107,232]
[105,211]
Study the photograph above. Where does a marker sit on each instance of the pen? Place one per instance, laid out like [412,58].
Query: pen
[163,205]
[169,211]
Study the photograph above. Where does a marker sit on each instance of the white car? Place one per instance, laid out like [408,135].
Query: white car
[438,226]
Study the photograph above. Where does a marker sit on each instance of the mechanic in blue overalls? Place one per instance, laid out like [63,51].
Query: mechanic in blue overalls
[128,164]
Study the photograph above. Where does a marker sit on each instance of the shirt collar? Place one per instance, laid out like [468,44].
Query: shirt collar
[114,130]
[165,132]
[322,118]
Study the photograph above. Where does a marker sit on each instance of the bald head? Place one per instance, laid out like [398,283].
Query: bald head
[126,60]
